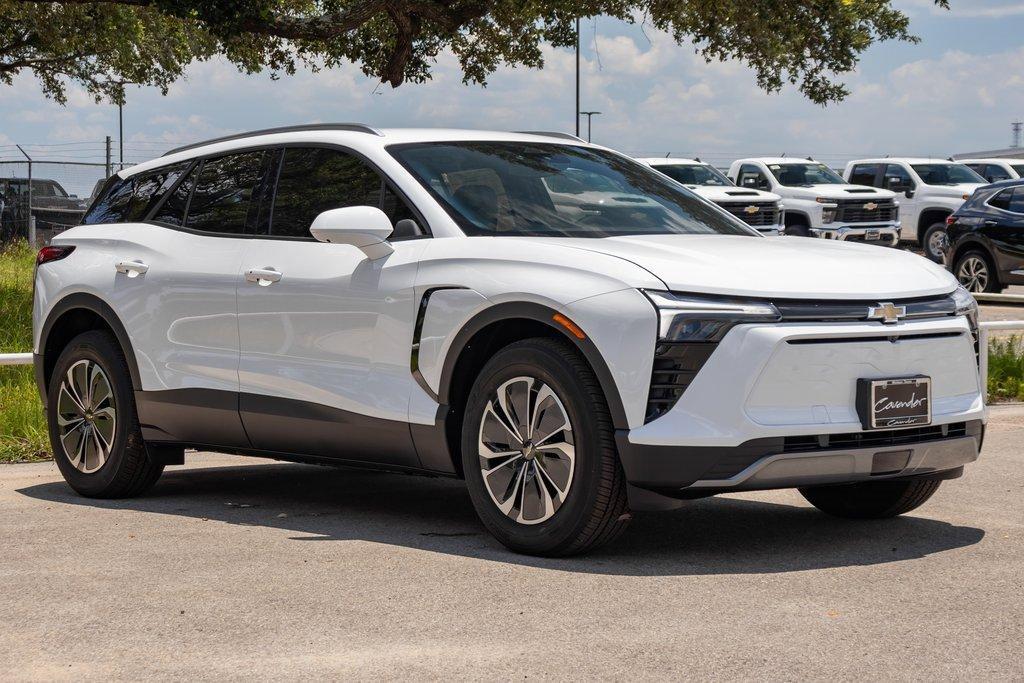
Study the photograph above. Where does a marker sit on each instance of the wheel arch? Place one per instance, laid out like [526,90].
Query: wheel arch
[929,217]
[492,329]
[796,217]
[69,317]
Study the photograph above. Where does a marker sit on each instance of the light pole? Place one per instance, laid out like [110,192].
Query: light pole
[577,76]
[120,119]
[589,115]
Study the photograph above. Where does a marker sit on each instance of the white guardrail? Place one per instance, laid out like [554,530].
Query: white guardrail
[15,359]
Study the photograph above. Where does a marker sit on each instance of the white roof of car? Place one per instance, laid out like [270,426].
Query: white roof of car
[671,161]
[778,160]
[352,135]
[904,160]
[991,161]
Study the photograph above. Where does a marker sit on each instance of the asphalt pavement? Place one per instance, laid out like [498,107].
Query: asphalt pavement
[237,568]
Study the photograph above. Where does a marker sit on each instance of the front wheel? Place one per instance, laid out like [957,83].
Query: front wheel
[94,432]
[871,499]
[934,242]
[798,230]
[538,452]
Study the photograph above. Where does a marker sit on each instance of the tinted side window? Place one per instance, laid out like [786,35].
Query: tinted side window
[149,187]
[172,211]
[1017,201]
[751,176]
[113,203]
[994,173]
[864,174]
[1001,200]
[897,178]
[314,180]
[223,194]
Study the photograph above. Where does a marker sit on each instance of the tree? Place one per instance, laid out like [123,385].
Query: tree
[809,43]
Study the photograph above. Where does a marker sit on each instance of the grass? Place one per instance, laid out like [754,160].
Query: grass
[22,426]
[1006,369]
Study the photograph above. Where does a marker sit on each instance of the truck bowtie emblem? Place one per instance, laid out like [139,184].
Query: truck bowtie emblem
[887,312]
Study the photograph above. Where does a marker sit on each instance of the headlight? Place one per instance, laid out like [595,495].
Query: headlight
[965,304]
[828,214]
[682,317]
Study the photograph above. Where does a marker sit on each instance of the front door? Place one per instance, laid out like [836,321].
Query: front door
[325,332]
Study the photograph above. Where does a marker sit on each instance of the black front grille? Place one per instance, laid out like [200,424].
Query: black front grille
[876,439]
[767,213]
[858,211]
[675,366]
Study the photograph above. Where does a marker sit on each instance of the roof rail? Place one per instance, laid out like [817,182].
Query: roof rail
[355,127]
[551,134]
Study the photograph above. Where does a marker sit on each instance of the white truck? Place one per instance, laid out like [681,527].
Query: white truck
[932,190]
[761,210]
[994,170]
[819,203]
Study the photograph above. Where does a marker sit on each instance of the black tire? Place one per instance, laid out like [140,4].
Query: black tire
[933,241]
[871,499]
[594,510]
[127,470]
[971,281]
[798,230]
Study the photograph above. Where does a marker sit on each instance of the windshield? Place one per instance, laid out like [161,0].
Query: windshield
[805,175]
[693,174]
[552,190]
[1019,168]
[946,174]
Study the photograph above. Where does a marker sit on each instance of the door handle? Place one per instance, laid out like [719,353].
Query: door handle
[133,268]
[991,223]
[264,277]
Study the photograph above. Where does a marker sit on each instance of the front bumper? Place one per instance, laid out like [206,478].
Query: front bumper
[791,462]
[885,234]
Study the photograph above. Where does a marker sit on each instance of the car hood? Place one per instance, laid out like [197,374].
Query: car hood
[734,195]
[953,191]
[781,267]
[833,191]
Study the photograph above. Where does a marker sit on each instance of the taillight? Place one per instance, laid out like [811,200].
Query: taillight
[52,253]
[950,220]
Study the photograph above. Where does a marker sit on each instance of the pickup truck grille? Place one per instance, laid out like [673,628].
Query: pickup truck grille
[767,213]
[871,211]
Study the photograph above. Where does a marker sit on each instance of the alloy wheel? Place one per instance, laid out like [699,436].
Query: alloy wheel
[527,452]
[937,244]
[86,416]
[973,274]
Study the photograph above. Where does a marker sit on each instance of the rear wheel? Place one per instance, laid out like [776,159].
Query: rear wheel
[871,499]
[934,241]
[975,272]
[94,432]
[538,452]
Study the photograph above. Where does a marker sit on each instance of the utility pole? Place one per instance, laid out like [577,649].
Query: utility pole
[110,171]
[1016,132]
[577,77]
[590,115]
[120,125]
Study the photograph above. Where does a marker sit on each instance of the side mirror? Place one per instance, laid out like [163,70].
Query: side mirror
[365,227]
[909,193]
[749,182]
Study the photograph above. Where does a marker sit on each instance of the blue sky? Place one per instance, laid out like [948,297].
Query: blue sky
[956,91]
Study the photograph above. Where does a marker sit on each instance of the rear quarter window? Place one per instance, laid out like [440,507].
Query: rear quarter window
[126,200]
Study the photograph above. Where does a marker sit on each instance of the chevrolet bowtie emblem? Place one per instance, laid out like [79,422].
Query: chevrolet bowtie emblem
[870,206]
[751,209]
[887,312]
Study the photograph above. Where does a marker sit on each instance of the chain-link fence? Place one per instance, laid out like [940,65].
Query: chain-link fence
[47,188]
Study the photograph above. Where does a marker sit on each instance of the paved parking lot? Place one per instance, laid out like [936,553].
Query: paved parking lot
[234,565]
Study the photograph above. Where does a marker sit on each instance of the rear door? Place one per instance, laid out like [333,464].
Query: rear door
[325,332]
[175,276]
[1004,227]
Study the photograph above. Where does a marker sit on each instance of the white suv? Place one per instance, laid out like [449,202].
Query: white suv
[819,203]
[419,301]
[762,210]
[932,189]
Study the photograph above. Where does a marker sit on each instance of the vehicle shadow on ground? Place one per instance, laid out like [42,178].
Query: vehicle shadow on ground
[710,536]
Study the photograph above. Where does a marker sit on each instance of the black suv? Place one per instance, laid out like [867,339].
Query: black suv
[985,250]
